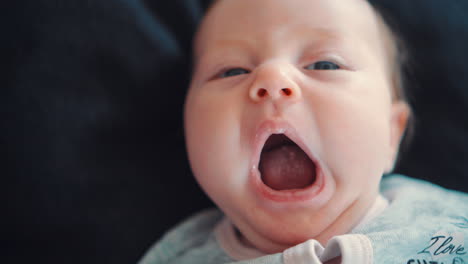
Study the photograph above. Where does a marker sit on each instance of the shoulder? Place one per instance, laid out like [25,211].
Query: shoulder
[419,199]
[395,185]
[194,232]
[420,218]
[418,203]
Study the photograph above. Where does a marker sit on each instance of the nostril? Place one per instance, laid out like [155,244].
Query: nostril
[261,92]
[286,91]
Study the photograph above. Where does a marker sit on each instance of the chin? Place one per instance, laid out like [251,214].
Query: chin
[273,232]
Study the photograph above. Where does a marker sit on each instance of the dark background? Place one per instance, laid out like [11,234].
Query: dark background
[93,164]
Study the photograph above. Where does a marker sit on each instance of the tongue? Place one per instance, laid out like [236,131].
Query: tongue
[287,167]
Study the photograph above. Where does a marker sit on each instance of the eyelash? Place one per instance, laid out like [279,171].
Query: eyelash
[334,66]
[330,66]
[225,73]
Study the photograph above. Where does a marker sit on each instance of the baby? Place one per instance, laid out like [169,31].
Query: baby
[294,113]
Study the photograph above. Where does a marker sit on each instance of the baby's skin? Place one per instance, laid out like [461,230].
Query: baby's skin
[291,117]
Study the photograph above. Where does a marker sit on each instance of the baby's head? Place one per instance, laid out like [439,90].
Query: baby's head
[293,115]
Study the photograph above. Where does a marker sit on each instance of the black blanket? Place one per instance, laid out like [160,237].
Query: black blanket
[94,168]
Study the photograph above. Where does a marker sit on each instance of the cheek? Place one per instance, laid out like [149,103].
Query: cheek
[355,137]
[211,132]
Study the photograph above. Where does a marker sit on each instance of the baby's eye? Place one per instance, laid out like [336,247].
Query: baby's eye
[233,72]
[323,65]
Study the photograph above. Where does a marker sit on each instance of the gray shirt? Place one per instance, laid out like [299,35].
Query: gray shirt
[422,223]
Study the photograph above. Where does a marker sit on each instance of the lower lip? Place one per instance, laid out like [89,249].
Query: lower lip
[293,196]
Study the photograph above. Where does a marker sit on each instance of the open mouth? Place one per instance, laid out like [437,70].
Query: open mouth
[284,165]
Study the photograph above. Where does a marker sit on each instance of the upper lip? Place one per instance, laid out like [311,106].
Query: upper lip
[270,127]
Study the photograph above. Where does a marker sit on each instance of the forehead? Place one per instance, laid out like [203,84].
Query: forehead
[275,21]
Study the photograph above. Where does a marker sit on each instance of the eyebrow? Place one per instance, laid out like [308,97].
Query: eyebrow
[313,37]
[226,46]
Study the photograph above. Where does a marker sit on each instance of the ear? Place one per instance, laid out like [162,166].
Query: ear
[400,112]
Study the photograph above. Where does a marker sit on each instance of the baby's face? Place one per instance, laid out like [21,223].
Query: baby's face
[289,118]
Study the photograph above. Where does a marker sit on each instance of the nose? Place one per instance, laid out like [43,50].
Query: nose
[274,83]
